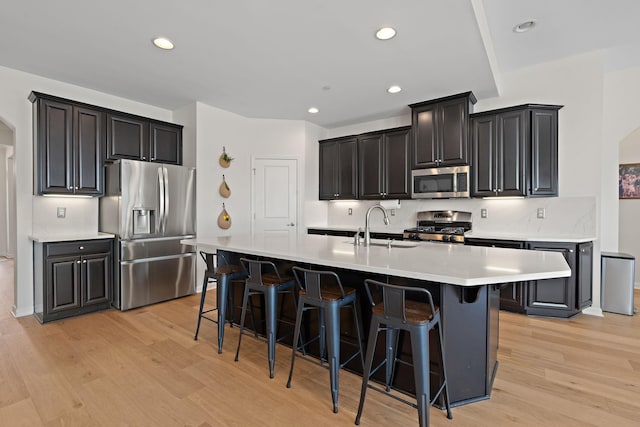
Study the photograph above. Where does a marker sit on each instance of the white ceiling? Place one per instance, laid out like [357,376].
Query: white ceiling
[275,59]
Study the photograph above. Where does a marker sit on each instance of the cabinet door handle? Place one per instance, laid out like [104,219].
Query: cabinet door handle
[81,247]
[153,158]
[499,190]
[144,158]
[84,261]
[78,262]
[570,251]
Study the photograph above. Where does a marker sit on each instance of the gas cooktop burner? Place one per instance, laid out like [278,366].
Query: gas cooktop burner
[440,226]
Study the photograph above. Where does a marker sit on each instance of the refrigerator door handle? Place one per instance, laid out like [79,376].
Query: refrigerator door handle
[166,198]
[161,196]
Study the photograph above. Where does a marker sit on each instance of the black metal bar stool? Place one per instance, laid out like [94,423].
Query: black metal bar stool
[224,274]
[328,296]
[397,313]
[264,278]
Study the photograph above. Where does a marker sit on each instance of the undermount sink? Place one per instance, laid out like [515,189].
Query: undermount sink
[384,243]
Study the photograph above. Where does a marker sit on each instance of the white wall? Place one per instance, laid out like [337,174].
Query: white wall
[4,231]
[15,111]
[7,192]
[629,209]
[244,139]
[186,116]
[622,145]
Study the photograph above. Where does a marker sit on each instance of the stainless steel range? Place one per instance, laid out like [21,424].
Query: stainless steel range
[440,226]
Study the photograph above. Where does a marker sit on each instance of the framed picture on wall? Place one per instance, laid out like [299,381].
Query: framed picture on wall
[629,181]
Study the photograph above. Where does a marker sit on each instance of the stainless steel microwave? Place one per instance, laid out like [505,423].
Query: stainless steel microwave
[440,183]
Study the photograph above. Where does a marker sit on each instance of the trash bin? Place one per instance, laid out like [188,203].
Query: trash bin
[617,280]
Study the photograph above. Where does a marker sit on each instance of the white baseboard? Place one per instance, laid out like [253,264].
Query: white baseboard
[593,311]
[22,311]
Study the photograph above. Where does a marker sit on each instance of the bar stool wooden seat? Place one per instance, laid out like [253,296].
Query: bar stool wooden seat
[224,274]
[394,314]
[323,291]
[264,278]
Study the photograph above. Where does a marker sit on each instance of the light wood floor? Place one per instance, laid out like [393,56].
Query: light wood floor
[143,368]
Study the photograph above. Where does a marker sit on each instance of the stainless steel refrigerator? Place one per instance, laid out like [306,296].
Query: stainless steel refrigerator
[150,207]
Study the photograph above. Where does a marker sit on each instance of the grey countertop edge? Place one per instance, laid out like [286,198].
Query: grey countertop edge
[67,237]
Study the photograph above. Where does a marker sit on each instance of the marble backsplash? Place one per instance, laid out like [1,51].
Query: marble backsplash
[574,216]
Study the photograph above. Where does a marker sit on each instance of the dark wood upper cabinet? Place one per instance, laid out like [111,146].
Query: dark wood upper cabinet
[370,166]
[544,151]
[383,164]
[137,138]
[498,148]
[89,142]
[69,139]
[127,137]
[440,131]
[72,140]
[338,169]
[397,146]
[514,151]
[165,144]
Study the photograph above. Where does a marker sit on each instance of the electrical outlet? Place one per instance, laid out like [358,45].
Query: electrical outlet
[350,211]
[62,212]
[484,213]
[393,212]
[541,213]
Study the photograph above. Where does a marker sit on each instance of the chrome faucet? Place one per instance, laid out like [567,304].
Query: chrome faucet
[367,236]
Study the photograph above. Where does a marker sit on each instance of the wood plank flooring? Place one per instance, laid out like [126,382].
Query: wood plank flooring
[143,368]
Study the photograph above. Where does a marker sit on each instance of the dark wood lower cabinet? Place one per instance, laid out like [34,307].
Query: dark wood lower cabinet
[513,294]
[72,278]
[564,296]
[559,297]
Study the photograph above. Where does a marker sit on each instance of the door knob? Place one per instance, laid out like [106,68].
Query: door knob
[290,225]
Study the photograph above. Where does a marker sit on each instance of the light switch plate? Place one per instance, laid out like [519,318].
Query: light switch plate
[350,211]
[541,213]
[62,212]
[393,212]
[483,213]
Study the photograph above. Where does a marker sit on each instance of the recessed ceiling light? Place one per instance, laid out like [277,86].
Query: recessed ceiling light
[163,43]
[394,89]
[385,33]
[524,26]
[313,110]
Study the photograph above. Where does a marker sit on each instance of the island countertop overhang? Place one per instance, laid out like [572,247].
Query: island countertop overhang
[436,262]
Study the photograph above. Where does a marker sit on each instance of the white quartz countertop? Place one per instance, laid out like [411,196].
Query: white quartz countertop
[569,238]
[66,237]
[439,262]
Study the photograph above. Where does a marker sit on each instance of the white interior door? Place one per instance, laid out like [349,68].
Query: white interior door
[275,196]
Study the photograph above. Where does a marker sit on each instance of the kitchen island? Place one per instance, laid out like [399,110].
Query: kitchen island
[464,281]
